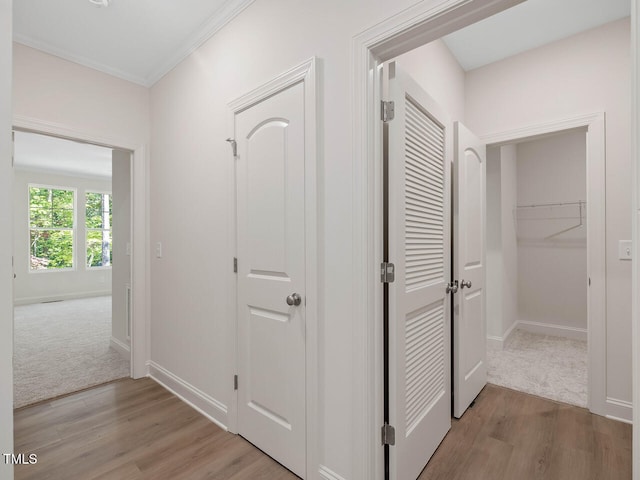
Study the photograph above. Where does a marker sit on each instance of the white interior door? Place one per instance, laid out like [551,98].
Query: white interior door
[271,276]
[469,323]
[420,142]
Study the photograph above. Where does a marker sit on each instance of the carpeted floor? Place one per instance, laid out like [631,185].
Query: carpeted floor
[62,347]
[550,367]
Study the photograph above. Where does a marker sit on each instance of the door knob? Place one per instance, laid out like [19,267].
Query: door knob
[294,299]
[452,287]
[465,284]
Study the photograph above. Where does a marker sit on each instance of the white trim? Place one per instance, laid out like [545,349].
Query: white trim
[284,80]
[497,343]
[306,72]
[120,347]
[327,474]
[527,132]
[619,410]
[596,237]
[140,275]
[635,267]
[79,59]
[215,23]
[56,298]
[230,10]
[553,330]
[205,404]
[415,26]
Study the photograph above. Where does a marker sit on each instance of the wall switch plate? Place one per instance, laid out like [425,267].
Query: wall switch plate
[624,249]
[158,249]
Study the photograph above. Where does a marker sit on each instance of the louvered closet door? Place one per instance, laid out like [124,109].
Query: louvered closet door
[420,148]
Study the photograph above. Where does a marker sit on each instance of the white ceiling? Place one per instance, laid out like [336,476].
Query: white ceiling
[141,40]
[138,40]
[529,25]
[56,155]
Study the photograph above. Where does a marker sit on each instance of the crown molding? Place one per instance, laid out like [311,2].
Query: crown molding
[214,24]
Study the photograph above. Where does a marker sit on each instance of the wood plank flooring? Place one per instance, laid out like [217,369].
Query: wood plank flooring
[133,430]
[510,435]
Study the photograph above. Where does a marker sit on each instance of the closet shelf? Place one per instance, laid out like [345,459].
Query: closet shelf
[545,221]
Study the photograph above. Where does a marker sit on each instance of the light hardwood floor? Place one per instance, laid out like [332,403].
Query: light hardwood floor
[510,435]
[131,430]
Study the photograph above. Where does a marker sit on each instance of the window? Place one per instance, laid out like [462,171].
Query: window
[51,228]
[98,222]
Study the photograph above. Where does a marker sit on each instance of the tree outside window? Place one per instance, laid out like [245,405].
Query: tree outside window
[51,228]
[98,223]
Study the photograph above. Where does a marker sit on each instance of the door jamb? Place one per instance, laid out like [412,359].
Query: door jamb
[139,227]
[596,235]
[307,73]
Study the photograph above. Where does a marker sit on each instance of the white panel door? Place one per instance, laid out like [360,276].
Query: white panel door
[271,274]
[469,323]
[420,142]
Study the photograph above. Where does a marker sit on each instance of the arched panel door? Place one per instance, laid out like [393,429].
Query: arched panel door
[469,266]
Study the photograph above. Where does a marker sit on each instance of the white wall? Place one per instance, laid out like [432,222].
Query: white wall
[41,286]
[121,269]
[494,248]
[191,198]
[6,240]
[586,73]
[510,269]
[552,273]
[63,93]
[502,258]
[436,70]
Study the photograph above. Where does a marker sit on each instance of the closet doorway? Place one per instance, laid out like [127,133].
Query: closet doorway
[545,255]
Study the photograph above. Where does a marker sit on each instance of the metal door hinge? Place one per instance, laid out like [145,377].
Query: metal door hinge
[387,272]
[388,435]
[235,382]
[388,111]
[235,265]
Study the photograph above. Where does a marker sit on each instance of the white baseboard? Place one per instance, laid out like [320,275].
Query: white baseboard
[56,298]
[200,401]
[120,347]
[620,410]
[327,474]
[554,330]
[498,343]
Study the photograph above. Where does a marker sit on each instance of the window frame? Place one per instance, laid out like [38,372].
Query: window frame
[74,229]
[87,230]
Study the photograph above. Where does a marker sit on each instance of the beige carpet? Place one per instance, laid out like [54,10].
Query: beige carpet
[550,367]
[63,347]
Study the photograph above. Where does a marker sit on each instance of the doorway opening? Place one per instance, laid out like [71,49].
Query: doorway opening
[371,52]
[72,266]
[537,287]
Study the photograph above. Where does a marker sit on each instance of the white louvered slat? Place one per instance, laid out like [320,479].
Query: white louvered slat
[424,362]
[424,194]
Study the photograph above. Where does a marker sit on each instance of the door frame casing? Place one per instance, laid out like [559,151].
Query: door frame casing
[413,27]
[596,237]
[306,73]
[140,322]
